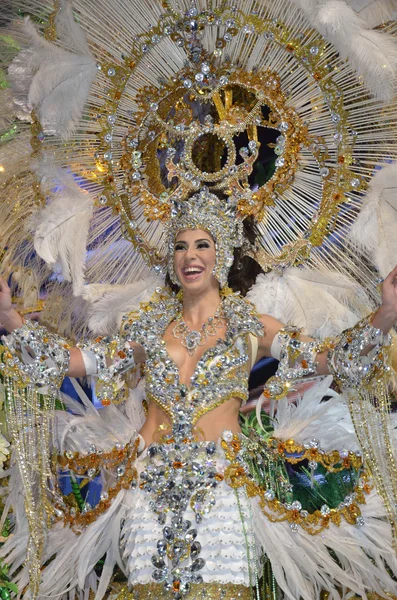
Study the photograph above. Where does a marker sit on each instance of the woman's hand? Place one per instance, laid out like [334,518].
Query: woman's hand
[9,318]
[5,297]
[386,315]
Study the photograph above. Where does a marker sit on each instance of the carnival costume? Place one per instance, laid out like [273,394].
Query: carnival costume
[159,117]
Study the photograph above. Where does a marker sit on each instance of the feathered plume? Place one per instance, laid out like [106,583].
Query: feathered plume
[371,53]
[375,227]
[110,302]
[322,303]
[62,78]
[374,12]
[61,228]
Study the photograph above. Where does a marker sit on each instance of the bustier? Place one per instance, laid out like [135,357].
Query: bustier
[222,372]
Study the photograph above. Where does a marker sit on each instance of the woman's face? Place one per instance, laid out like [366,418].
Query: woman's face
[194,259]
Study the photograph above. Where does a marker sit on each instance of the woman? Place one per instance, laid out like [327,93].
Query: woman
[192,525]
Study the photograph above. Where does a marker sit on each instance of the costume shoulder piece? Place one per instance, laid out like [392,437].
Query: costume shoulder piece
[242,314]
[153,317]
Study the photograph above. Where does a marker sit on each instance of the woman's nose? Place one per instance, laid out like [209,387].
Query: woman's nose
[191,253]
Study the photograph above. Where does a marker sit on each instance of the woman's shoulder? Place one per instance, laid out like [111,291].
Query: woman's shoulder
[152,316]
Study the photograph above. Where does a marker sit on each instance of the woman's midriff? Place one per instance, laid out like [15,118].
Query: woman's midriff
[209,427]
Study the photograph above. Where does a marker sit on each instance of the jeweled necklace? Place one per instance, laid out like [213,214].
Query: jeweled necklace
[190,338]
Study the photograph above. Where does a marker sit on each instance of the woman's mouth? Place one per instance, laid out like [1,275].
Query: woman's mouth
[192,273]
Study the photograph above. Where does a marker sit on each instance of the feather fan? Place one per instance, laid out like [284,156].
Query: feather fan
[323,303]
[375,227]
[61,228]
[61,82]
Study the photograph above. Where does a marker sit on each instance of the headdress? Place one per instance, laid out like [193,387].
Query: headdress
[208,212]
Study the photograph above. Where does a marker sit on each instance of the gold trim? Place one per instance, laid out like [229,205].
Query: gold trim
[207,591]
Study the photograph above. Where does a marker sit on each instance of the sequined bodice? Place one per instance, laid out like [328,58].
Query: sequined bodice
[220,374]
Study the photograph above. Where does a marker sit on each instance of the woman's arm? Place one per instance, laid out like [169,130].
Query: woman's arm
[384,319]
[11,320]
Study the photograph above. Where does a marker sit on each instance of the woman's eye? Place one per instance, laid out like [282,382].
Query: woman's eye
[179,246]
[203,245]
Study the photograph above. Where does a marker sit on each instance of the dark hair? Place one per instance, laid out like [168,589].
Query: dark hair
[244,270]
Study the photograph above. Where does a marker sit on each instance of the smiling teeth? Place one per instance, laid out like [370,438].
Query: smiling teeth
[192,270]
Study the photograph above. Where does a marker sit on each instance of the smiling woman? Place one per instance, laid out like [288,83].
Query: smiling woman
[206,141]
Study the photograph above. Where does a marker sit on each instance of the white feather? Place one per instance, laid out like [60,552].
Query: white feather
[375,227]
[323,303]
[303,564]
[61,228]
[110,302]
[372,54]
[374,12]
[60,84]
[311,417]
[68,31]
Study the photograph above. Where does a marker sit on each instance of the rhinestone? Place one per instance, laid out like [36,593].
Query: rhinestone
[151,135]
[198,564]
[314,50]
[155,39]
[227,436]
[108,156]
[283,126]
[252,145]
[294,527]
[335,117]
[269,495]
[280,162]
[355,183]
[180,42]
[248,29]
[111,72]
[154,106]
[187,83]
[136,176]
[199,77]
[228,37]
[108,137]
[218,52]
[167,30]
[104,496]
[296,505]
[325,510]
[102,199]
[133,143]
[223,80]
[324,172]
[205,68]
[360,521]
[111,119]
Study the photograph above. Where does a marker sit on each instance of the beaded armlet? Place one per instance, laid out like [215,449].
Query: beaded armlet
[297,359]
[33,360]
[35,356]
[113,357]
[364,379]
[347,363]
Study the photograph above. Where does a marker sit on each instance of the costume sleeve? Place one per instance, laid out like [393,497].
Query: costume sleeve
[354,358]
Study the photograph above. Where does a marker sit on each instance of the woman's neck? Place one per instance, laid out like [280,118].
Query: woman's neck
[198,308]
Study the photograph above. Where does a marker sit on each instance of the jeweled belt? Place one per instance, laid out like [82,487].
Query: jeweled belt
[199,591]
